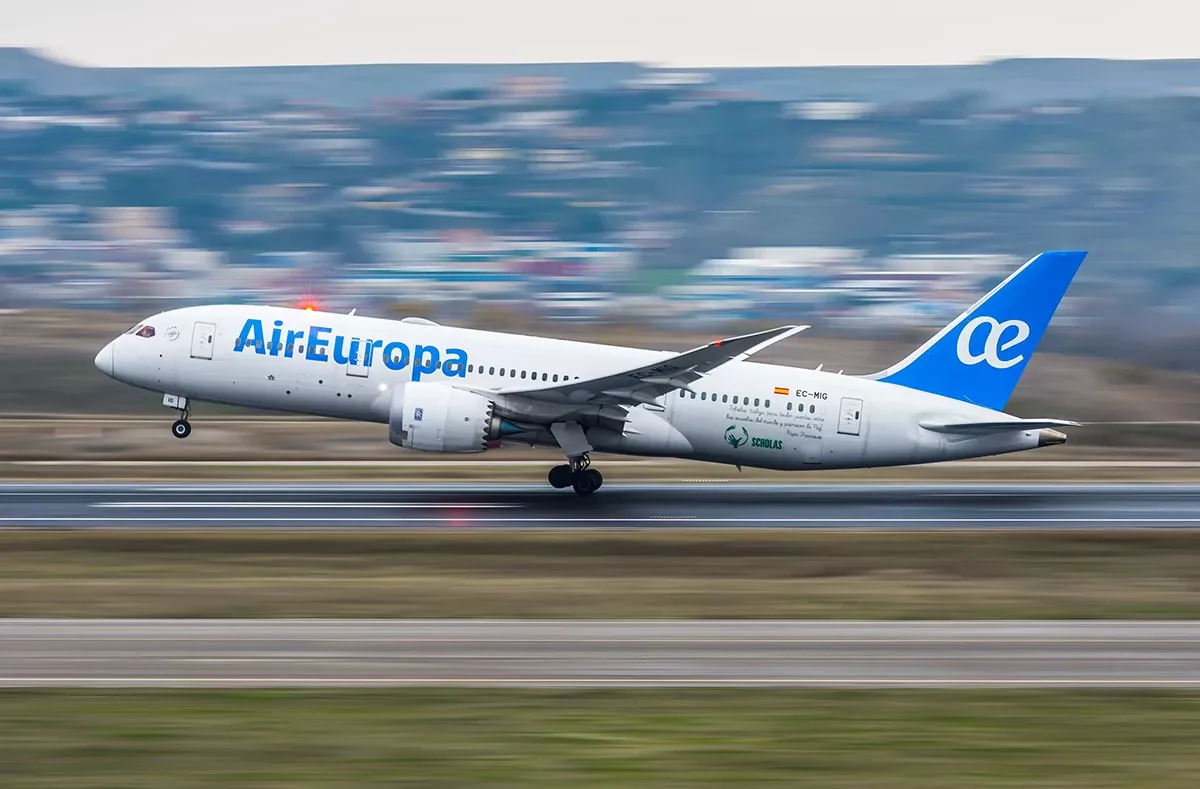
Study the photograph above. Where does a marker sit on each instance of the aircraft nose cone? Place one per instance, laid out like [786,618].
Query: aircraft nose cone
[104,359]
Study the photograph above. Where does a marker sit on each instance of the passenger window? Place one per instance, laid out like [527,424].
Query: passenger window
[766,403]
[543,376]
[470,368]
[789,406]
[512,373]
[704,395]
[756,402]
[522,375]
[556,378]
[501,372]
[491,371]
[724,398]
[812,409]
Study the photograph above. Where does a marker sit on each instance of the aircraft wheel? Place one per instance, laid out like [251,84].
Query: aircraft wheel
[181,429]
[588,482]
[560,476]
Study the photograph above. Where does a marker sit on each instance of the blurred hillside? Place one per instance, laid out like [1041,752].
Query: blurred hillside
[1007,82]
[863,201]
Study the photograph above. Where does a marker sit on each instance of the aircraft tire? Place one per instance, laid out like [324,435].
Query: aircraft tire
[587,482]
[560,476]
[181,429]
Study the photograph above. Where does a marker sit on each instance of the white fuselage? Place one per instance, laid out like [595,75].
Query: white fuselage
[743,413]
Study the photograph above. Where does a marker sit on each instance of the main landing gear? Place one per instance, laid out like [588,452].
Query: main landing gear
[578,475]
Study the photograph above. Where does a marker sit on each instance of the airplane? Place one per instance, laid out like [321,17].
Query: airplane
[445,389]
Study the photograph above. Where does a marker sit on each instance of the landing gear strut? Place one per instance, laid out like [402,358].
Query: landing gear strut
[181,428]
[578,475]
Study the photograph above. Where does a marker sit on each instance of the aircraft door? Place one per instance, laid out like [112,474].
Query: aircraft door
[203,337]
[850,419]
[357,366]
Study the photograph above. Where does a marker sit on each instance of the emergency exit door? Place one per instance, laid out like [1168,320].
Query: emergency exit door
[203,337]
[850,420]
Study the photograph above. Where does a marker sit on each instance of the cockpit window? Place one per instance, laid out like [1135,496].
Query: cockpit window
[133,328]
[145,331]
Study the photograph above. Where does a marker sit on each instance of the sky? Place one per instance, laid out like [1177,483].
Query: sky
[678,33]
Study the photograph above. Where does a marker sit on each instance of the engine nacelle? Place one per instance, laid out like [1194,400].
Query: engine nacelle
[437,418]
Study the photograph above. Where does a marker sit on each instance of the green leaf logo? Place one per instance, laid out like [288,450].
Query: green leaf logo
[736,435]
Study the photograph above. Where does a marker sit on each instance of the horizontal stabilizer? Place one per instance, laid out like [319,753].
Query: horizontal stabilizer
[990,428]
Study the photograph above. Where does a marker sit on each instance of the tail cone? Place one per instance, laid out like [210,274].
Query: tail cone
[1048,438]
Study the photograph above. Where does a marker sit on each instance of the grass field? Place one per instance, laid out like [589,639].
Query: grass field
[675,574]
[635,738]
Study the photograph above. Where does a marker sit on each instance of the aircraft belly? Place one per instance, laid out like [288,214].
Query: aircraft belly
[273,383]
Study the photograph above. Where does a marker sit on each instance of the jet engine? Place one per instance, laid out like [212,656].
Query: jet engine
[434,417]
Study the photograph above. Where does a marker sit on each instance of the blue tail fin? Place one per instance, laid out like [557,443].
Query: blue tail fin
[980,356]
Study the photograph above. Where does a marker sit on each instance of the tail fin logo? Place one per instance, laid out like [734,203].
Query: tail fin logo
[980,355]
[994,344]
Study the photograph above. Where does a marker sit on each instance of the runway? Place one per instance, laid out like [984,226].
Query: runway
[367,653]
[270,505]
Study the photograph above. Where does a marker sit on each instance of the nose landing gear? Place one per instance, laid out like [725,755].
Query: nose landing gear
[181,428]
[578,475]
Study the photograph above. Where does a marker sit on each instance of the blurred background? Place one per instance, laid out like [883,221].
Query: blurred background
[650,173]
[637,204]
[863,200]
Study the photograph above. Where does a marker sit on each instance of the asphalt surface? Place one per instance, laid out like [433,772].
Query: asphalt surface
[365,653]
[269,505]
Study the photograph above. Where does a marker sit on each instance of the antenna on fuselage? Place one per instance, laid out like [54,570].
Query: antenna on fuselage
[817,369]
[351,312]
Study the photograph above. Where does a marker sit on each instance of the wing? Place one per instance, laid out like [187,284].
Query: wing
[988,428]
[643,385]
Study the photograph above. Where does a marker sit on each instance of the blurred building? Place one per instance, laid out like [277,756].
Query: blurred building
[557,279]
[837,285]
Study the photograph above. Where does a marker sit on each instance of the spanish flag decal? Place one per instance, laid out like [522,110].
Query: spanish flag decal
[782,390]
